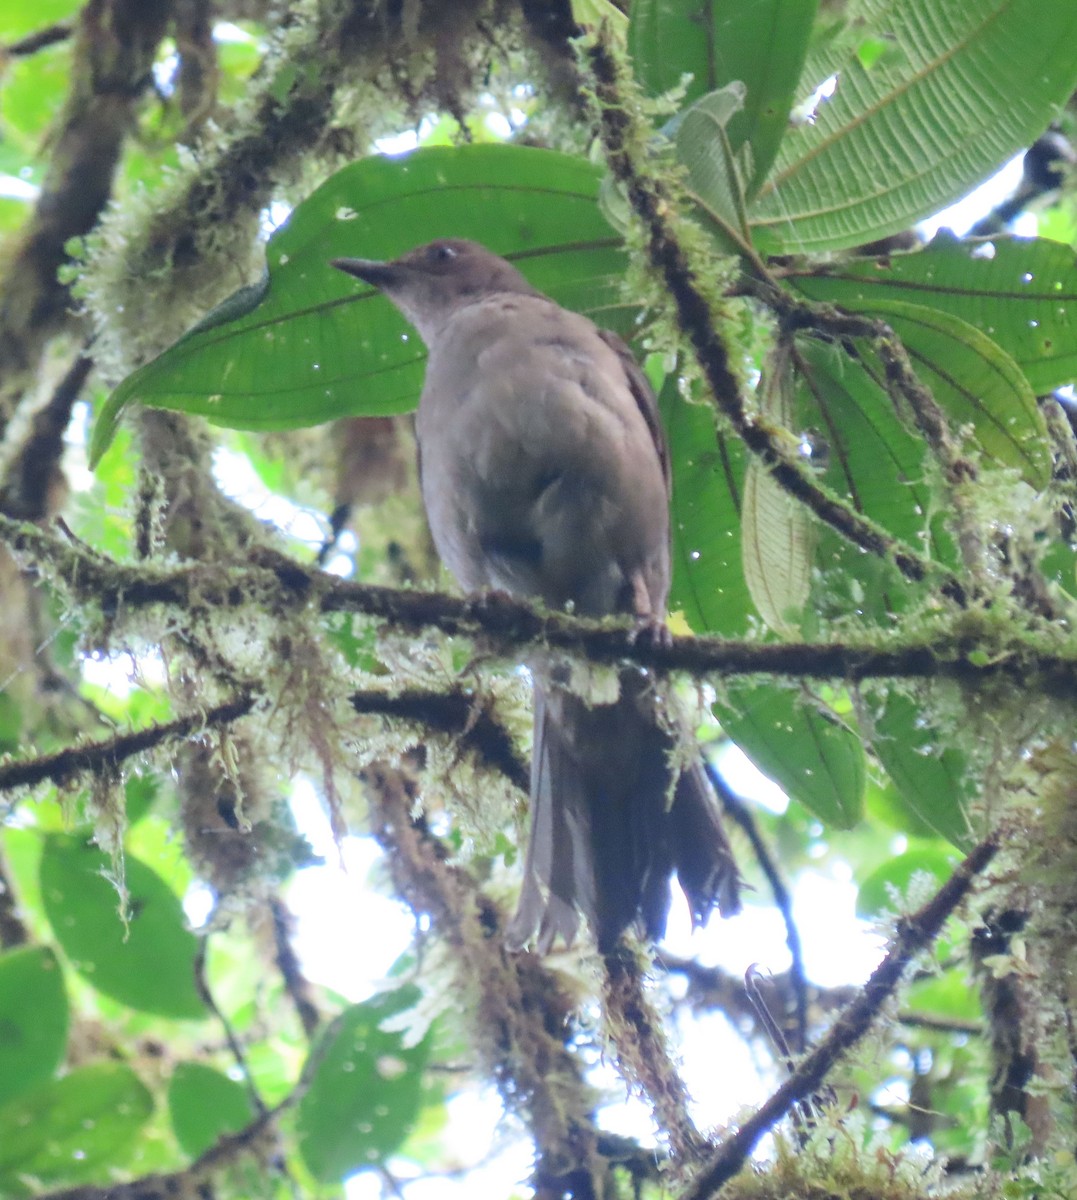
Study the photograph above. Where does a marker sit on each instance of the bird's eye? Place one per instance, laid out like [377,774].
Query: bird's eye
[442,253]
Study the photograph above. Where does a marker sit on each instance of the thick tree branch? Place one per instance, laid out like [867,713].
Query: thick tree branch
[112,59]
[521,1011]
[280,585]
[915,934]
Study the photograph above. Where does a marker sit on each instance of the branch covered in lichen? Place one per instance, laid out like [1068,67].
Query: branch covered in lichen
[278,586]
[107,754]
[521,1012]
[914,934]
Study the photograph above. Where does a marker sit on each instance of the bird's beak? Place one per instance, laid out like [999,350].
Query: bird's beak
[377,274]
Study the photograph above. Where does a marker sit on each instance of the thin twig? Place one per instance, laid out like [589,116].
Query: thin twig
[201,984]
[741,814]
[295,982]
[106,754]
[59,31]
[915,934]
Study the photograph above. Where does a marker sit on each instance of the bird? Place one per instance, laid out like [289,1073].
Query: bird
[544,474]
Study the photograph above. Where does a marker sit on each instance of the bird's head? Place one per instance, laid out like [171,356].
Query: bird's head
[429,283]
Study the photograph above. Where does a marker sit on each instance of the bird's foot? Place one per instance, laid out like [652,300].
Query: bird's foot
[651,629]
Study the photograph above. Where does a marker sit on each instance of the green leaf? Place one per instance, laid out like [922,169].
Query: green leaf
[714,177]
[150,964]
[931,776]
[366,1090]
[311,344]
[205,1104]
[877,891]
[1021,293]
[966,88]
[776,532]
[708,481]
[761,43]
[777,541]
[976,383]
[72,1130]
[810,752]
[872,459]
[33,1019]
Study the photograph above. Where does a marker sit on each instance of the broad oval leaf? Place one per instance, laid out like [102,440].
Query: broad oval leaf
[311,344]
[366,1090]
[930,774]
[205,1104]
[72,1130]
[33,1019]
[1022,293]
[964,88]
[150,964]
[812,754]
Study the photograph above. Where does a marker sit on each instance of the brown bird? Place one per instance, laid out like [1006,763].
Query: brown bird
[544,473]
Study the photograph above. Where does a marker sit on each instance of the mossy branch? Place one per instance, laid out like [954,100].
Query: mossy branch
[280,586]
[915,934]
[696,320]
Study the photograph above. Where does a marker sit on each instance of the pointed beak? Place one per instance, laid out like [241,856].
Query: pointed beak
[378,274]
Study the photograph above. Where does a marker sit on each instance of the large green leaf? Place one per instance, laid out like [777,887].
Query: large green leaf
[762,43]
[795,739]
[872,460]
[1021,293]
[708,482]
[311,344]
[149,963]
[963,88]
[33,1019]
[365,1092]
[204,1104]
[975,382]
[931,775]
[72,1130]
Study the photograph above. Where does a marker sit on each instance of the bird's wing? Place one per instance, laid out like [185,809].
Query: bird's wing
[644,396]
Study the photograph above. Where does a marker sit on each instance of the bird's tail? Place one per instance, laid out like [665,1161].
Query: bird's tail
[609,826]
